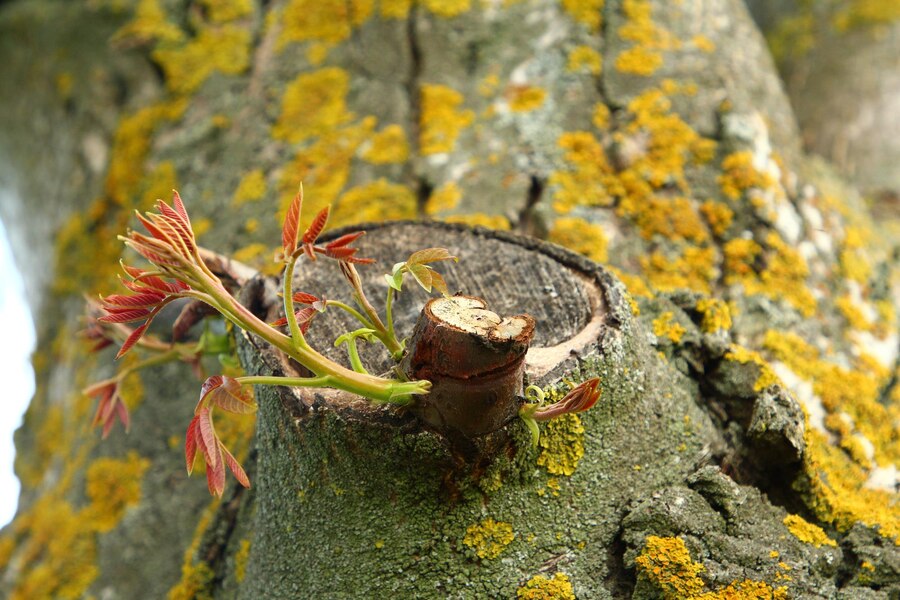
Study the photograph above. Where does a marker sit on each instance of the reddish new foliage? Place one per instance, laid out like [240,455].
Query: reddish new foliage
[110,407]
[228,394]
[579,399]
[338,249]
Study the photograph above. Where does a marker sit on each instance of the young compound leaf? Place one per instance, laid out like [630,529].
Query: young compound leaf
[235,466]
[291,225]
[430,255]
[437,281]
[190,444]
[228,394]
[422,274]
[132,339]
[215,473]
[316,227]
[394,281]
[208,439]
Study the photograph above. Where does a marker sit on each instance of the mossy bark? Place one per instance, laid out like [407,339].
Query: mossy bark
[746,438]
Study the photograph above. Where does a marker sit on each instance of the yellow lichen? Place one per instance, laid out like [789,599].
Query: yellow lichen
[251,187]
[716,315]
[444,198]
[113,485]
[375,201]
[240,560]
[539,587]
[223,11]
[395,9]
[589,12]
[853,314]
[718,216]
[488,538]
[149,24]
[693,270]
[196,575]
[748,590]
[447,8]
[703,43]
[584,58]
[525,98]
[581,236]
[223,49]
[562,445]
[806,532]
[865,13]
[600,117]
[326,21]
[481,220]
[739,175]
[666,326]
[389,146]
[441,121]
[666,563]
[645,56]
[672,218]
[313,105]
[745,356]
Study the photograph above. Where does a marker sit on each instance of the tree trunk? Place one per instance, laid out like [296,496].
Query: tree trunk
[743,322]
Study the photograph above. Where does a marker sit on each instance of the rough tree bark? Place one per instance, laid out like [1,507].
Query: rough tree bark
[743,322]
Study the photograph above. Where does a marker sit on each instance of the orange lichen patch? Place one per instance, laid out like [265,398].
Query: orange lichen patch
[589,12]
[842,391]
[489,538]
[330,22]
[718,216]
[58,548]
[745,356]
[748,590]
[739,175]
[834,489]
[853,314]
[562,445]
[216,49]
[441,121]
[447,8]
[645,57]
[252,187]
[481,220]
[666,563]
[113,485]
[376,201]
[703,43]
[323,167]
[395,9]
[783,275]
[149,24]
[716,315]
[672,218]
[806,532]
[600,117]
[313,105]
[584,58]
[583,184]
[665,326]
[581,236]
[389,146]
[693,270]
[539,587]
[525,98]
[444,198]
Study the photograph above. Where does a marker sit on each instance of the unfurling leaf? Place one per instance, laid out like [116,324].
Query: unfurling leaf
[423,275]
[315,228]
[430,255]
[291,225]
[235,467]
[578,399]
[437,281]
[190,443]
[227,393]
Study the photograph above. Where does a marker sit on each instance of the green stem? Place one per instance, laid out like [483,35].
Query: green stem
[296,334]
[352,311]
[315,382]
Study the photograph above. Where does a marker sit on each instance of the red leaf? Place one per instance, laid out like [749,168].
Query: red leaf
[142,299]
[190,444]
[230,395]
[235,467]
[304,298]
[179,207]
[122,413]
[316,227]
[132,339]
[347,238]
[215,474]
[360,261]
[291,225]
[125,316]
[208,437]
